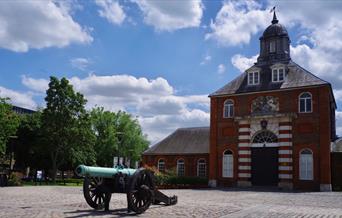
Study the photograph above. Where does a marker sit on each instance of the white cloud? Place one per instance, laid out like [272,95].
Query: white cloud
[171,15]
[242,63]
[206,60]
[18,98]
[221,69]
[160,126]
[39,85]
[80,63]
[339,123]
[111,10]
[38,24]
[237,21]
[152,101]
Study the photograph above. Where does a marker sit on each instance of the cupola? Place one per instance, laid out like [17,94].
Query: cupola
[274,44]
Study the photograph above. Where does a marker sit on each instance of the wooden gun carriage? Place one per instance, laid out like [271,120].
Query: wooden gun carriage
[138,184]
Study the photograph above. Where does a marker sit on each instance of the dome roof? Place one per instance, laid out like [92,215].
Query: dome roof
[275,29]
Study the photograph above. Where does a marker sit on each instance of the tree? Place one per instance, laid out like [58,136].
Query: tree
[28,152]
[117,134]
[66,126]
[106,145]
[132,142]
[9,122]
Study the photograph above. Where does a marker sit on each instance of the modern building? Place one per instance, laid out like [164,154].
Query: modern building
[272,125]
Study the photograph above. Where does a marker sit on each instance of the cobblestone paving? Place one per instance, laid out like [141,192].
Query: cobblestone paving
[50,201]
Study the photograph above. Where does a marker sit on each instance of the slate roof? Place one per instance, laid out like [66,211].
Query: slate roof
[295,77]
[193,140]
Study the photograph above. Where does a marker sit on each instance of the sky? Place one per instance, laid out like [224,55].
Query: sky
[156,59]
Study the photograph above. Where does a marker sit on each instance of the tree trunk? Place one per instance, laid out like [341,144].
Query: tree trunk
[54,167]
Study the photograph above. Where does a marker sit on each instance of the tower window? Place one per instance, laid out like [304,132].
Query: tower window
[253,78]
[227,164]
[278,75]
[272,47]
[306,165]
[305,102]
[228,109]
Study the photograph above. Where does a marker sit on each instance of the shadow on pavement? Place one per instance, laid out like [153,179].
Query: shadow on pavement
[122,212]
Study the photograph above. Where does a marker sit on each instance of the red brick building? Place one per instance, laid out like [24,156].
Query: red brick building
[272,125]
[186,151]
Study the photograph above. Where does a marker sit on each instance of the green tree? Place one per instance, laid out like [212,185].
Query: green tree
[106,145]
[9,122]
[28,152]
[117,134]
[132,142]
[66,126]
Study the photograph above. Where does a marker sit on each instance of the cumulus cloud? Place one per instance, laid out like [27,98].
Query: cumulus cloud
[221,69]
[206,60]
[18,98]
[80,63]
[38,24]
[237,21]
[242,63]
[152,100]
[161,125]
[111,10]
[38,85]
[171,15]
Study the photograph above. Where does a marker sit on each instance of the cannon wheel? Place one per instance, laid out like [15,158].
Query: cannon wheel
[93,192]
[141,187]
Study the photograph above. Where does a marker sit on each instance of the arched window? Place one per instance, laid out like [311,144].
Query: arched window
[228,109]
[180,167]
[306,165]
[228,164]
[161,165]
[201,168]
[305,102]
[265,137]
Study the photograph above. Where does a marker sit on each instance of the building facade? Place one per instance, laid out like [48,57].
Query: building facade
[186,151]
[272,125]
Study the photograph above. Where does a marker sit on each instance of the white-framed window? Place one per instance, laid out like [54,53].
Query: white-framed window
[272,46]
[253,78]
[180,167]
[228,109]
[228,164]
[306,165]
[278,74]
[305,102]
[201,168]
[161,165]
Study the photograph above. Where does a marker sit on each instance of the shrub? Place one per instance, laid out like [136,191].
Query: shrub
[13,180]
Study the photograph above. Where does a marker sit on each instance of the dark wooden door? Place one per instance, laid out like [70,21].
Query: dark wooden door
[265,166]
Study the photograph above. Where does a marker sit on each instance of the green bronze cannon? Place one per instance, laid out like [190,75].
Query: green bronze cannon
[139,185]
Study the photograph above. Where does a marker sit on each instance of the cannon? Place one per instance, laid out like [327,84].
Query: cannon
[138,184]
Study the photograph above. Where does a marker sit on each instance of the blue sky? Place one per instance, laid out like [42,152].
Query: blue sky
[156,59]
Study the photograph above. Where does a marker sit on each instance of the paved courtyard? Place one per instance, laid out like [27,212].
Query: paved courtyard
[54,201]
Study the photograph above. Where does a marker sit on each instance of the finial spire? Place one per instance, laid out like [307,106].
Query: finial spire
[275,20]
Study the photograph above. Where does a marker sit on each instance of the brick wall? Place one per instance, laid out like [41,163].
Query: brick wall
[171,162]
[302,130]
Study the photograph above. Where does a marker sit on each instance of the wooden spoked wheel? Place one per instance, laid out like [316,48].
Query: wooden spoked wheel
[141,187]
[93,192]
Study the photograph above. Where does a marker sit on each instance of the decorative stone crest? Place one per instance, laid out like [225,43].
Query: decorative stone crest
[265,105]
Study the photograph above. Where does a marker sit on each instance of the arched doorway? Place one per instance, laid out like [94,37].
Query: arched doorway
[264,159]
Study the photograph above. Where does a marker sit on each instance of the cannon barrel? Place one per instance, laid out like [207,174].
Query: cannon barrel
[104,172]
